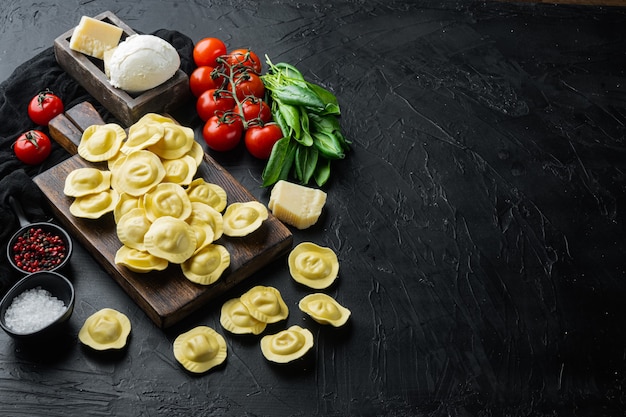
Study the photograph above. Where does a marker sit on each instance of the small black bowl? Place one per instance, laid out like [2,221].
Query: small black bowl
[46,227]
[58,286]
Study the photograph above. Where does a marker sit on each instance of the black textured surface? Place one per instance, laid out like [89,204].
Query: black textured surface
[478,220]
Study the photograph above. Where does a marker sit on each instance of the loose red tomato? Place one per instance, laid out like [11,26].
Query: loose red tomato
[244,57]
[222,133]
[212,102]
[207,50]
[249,84]
[256,110]
[44,107]
[32,147]
[204,78]
[260,140]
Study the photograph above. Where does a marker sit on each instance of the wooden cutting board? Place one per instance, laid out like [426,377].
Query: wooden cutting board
[166,296]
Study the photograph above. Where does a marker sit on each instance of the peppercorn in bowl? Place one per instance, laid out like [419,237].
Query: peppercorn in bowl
[37,305]
[39,247]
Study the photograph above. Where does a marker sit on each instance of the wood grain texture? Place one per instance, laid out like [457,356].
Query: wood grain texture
[166,296]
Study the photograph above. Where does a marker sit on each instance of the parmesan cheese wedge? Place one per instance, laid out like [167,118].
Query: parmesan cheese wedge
[295,204]
[94,37]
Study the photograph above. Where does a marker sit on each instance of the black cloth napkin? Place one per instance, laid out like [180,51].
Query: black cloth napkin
[33,76]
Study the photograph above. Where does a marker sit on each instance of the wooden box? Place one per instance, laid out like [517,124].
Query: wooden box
[127,108]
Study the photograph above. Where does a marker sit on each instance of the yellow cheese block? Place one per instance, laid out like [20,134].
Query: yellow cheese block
[295,204]
[93,37]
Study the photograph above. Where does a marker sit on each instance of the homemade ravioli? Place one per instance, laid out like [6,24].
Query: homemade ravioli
[167,199]
[241,219]
[180,171]
[202,213]
[132,228]
[324,309]
[206,265]
[208,193]
[265,304]
[200,349]
[101,142]
[142,136]
[105,329]
[138,260]
[287,345]
[171,239]
[177,140]
[236,318]
[312,265]
[83,181]
[138,173]
[94,206]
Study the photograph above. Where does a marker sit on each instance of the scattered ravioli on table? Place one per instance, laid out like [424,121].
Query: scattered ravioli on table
[287,345]
[236,318]
[200,349]
[105,329]
[313,265]
[265,304]
[324,309]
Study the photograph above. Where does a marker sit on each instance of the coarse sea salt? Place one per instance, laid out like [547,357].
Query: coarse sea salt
[33,310]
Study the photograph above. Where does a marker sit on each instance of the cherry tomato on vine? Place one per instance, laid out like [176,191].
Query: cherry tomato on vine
[223,133]
[207,50]
[249,84]
[255,109]
[260,140]
[44,107]
[204,78]
[246,58]
[212,102]
[32,147]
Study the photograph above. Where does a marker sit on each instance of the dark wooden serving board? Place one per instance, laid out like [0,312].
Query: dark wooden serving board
[166,296]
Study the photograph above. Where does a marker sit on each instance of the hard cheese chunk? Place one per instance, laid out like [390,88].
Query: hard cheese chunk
[295,204]
[93,37]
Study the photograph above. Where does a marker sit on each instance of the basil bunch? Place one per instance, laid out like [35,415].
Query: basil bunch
[308,116]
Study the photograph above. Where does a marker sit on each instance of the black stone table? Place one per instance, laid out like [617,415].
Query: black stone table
[478,219]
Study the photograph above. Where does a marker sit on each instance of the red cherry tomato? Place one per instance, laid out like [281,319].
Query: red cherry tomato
[244,57]
[213,102]
[204,78]
[44,107]
[222,133]
[254,110]
[32,147]
[249,84]
[207,50]
[260,140]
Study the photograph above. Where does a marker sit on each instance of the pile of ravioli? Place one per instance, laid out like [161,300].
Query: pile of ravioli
[163,214]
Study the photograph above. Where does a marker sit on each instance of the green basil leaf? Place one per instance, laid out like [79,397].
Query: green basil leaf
[280,160]
[305,163]
[305,138]
[288,71]
[331,105]
[298,96]
[291,116]
[322,171]
[328,145]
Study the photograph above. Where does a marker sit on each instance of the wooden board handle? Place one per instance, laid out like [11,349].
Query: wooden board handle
[67,128]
